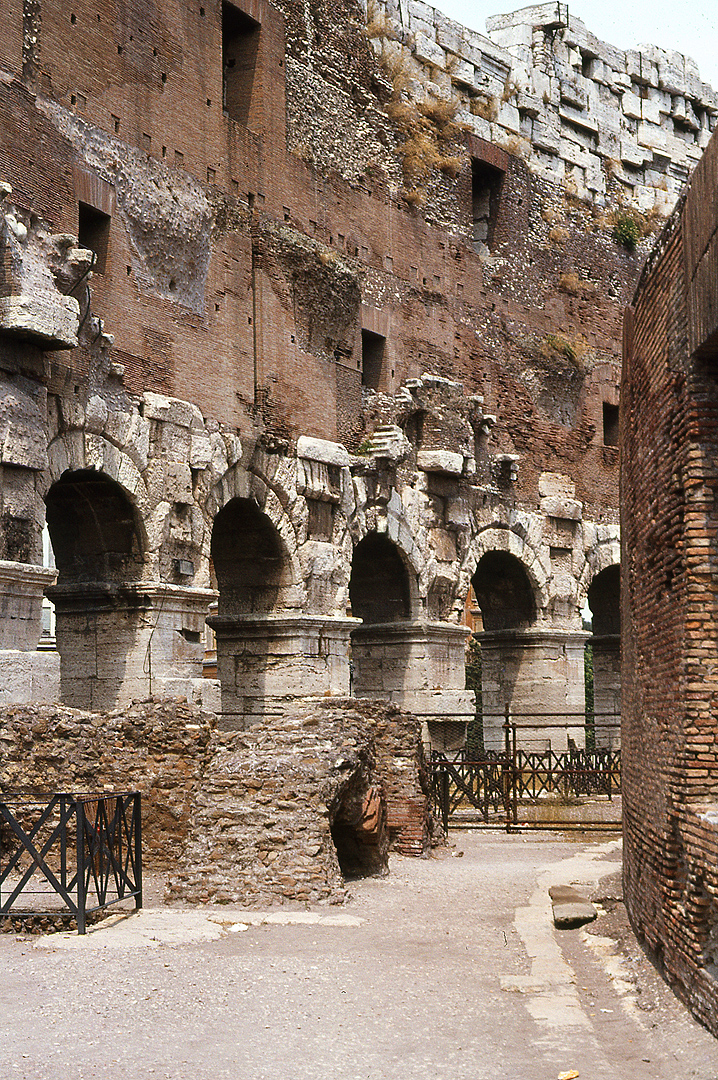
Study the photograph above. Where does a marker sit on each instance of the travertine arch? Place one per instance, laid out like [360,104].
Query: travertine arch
[602,548]
[495,539]
[398,532]
[74,451]
[237,482]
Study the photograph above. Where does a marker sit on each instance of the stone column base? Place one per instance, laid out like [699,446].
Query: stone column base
[29,678]
[539,674]
[22,586]
[607,689]
[266,663]
[122,643]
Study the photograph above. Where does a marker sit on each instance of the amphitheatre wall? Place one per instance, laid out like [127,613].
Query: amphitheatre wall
[316,315]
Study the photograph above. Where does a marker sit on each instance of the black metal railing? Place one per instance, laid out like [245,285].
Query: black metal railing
[497,784]
[85,849]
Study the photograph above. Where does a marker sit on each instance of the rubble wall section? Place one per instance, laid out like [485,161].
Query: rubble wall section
[247,817]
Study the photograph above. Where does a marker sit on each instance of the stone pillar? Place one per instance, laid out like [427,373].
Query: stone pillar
[533,672]
[26,675]
[607,688]
[267,662]
[422,668]
[122,643]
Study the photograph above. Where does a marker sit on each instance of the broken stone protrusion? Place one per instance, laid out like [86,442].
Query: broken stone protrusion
[571,908]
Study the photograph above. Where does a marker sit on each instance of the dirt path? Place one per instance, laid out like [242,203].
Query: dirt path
[449,967]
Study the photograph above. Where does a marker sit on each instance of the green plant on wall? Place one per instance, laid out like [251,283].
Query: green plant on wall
[627,231]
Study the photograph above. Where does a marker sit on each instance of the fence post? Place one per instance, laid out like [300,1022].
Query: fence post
[136,811]
[445,800]
[507,768]
[81,895]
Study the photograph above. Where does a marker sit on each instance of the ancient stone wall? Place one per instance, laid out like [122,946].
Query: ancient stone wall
[669,489]
[159,749]
[581,111]
[282,812]
[257,279]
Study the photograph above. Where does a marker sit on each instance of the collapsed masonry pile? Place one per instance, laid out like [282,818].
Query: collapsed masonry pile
[288,809]
[278,812]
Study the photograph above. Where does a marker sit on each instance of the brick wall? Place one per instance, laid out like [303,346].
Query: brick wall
[669,500]
[197,309]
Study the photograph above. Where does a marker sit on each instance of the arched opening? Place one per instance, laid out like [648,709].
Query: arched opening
[248,559]
[379,588]
[262,654]
[380,595]
[603,657]
[503,592]
[357,820]
[97,541]
[94,530]
[504,664]
[604,600]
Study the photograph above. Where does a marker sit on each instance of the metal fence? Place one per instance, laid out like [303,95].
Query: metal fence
[539,788]
[85,850]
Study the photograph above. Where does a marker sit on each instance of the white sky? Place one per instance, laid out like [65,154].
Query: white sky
[688,26]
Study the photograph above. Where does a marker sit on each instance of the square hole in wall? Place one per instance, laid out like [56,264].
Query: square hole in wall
[372,354]
[610,424]
[240,46]
[486,184]
[93,232]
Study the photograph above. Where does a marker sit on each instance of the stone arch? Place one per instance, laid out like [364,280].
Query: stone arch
[602,547]
[99,543]
[75,450]
[96,531]
[493,539]
[238,483]
[250,558]
[604,600]
[380,583]
[504,592]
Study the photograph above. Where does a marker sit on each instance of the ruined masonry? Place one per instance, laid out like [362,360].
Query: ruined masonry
[310,333]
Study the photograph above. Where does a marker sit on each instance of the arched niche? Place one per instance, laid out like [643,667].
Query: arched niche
[379,587]
[95,531]
[604,600]
[249,559]
[100,606]
[503,592]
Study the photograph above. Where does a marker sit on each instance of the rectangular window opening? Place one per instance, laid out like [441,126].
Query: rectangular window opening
[240,45]
[372,355]
[610,424]
[485,194]
[93,232]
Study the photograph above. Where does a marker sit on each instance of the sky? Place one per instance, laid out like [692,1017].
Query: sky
[688,26]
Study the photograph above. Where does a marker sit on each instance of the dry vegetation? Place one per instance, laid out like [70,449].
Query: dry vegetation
[428,129]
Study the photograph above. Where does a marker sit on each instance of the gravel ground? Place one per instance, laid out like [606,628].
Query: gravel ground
[450,967]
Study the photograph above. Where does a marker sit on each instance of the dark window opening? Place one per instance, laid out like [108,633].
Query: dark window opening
[379,584]
[240,45]
[485,194]
[414,429]
[372,355]
[93,232]
[610,424]
[503,592]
